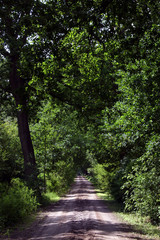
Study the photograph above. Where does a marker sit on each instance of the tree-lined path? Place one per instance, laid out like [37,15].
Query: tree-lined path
[80,215]
[80,92]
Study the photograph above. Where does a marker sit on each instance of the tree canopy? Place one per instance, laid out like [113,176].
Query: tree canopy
[81,81]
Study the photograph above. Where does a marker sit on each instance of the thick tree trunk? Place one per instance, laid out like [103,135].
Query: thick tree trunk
[26,143]
[18,90]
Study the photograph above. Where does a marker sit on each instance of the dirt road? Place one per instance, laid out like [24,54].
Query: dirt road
[80,215]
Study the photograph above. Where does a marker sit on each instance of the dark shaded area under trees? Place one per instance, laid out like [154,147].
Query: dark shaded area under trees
[81,82]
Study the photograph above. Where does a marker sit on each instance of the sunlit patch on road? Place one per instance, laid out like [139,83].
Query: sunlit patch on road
[81,215]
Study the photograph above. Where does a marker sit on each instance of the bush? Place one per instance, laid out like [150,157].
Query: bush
[16,203]
[116,182]
[100,176]
[11,158]
[142,185]
[61,177]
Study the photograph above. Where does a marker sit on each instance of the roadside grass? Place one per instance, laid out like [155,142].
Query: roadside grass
[139,223]
[50,197]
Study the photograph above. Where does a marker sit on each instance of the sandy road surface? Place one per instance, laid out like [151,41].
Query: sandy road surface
[80,215]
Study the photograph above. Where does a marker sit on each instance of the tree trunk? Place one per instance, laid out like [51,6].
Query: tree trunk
[26,143]
[18,91]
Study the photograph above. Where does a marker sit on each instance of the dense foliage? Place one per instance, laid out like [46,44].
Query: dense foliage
[16,202]
[82,78]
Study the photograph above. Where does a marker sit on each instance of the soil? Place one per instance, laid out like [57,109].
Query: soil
[80,215]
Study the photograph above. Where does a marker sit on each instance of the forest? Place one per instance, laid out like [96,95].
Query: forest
[79,94]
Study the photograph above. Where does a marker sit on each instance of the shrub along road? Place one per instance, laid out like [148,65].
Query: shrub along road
[80,215]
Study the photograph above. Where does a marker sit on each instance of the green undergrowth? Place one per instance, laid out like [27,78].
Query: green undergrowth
[47,199]
[139,223]
[17,202]
[18,227]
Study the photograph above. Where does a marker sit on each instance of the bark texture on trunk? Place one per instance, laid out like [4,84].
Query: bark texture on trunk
[26,143]
[18,91]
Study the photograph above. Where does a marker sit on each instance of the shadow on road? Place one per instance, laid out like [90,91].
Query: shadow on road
[80,229]
[80,216]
